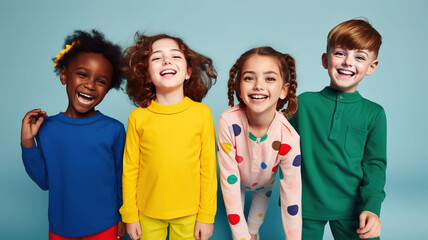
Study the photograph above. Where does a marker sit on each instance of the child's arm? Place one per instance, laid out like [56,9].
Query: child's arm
[131,158]
[370,225]
[208,172]
[374,170]
[32,157]
[230,181]
[291,190]
[118,156]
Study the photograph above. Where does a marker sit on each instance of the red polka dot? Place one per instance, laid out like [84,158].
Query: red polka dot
[239,159]
[233,219]
[284,149]
[274,168]
[254,184]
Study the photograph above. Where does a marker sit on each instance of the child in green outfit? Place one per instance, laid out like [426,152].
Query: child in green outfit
[343,141]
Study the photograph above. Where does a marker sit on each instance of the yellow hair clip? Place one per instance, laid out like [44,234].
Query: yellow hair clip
[62,52]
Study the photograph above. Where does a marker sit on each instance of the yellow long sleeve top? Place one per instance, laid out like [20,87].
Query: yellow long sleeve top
[169,163]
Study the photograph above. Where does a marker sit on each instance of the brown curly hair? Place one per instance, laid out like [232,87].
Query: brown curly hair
[288,73]
[136,62]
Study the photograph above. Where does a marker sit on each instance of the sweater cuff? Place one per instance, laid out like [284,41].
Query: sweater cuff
[205,217]
[129,216]
[373,205]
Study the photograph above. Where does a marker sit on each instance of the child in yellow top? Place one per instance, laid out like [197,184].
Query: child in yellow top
[169,168]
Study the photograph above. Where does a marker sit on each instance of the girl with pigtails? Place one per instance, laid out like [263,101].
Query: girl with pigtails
[255,141]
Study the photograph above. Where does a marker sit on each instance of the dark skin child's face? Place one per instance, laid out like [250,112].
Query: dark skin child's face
[87,78]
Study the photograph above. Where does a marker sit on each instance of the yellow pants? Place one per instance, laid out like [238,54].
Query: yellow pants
[179,228]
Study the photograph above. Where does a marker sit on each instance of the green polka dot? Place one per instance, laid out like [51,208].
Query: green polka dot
[232,179]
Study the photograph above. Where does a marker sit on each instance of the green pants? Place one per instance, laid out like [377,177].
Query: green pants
[341,229]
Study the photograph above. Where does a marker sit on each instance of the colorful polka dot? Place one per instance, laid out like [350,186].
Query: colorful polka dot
[268,194]
[235,129]
[260,215]
[232,179]
[263,165]
[226,147]
[276,145]
[274,168]
[293,210]
[233,219]
[281,176]
[297,161]
[239,159]
[254,184]
[284,149]
[242,239]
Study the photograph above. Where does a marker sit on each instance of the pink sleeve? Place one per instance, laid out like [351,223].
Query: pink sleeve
[291,189]
[230,179]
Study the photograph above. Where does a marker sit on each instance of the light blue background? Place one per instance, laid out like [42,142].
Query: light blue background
[32,32]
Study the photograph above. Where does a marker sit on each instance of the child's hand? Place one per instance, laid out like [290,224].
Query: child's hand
[121,230]
[134,230]
[253,236]
[370,225]
[203,231]
[30,126]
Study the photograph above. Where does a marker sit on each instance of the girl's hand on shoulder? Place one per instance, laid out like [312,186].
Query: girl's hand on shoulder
[370,225]
[203,231]
[121,229]
[134,230]
[30,126]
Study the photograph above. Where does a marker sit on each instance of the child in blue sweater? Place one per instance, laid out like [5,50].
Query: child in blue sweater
[77,154]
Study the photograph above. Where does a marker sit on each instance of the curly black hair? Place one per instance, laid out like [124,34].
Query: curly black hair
[93,42]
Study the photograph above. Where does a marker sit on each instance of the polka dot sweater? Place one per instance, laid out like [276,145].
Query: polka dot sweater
[251,163]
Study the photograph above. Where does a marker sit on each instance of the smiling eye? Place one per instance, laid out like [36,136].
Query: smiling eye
[155,59]
[81,74]
[177,56]
[339,54]
[270,79]
[248,78]
[360,58]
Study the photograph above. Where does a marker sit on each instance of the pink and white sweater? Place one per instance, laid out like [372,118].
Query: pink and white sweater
[250,162]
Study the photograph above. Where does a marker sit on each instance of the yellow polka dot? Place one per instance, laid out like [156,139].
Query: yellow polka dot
[243,239]
[226,147]
[260,214]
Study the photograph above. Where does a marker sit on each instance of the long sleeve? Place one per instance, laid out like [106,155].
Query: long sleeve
[230,181]
[131,168]
[208,202]
[374,165]
[35,166]
[291,190]
[118,159]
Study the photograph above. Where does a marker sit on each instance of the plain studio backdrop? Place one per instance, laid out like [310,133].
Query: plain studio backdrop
[32,33]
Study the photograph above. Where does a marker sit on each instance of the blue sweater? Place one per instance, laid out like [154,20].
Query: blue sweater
[80,162]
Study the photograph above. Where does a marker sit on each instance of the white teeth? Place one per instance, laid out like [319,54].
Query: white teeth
[258,96]
[86,95]
[168,71]
[345,72]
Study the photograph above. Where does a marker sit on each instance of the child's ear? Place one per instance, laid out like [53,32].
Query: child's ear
[63,76]
[324,60]
[284,91]
[372,67]
[189,73]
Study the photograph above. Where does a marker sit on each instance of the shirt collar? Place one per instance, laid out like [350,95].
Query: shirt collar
[170,109]
[339,96]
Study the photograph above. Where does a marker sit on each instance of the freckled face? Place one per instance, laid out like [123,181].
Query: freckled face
[87,78]
[348,67]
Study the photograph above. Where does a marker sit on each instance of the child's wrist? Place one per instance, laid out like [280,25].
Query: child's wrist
[27,143]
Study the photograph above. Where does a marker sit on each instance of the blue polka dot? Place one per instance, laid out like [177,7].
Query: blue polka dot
[297,161]
[263,165]
[235,129]
[293,210]
[268,194]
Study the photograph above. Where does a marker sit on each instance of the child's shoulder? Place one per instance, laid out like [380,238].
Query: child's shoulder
[233,112]
[308,96]
[111,120]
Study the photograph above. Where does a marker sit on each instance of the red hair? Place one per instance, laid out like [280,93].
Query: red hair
[136,62]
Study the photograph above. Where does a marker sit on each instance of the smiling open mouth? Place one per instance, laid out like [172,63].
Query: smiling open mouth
[167,71]
[85,98]
[345,72]
[258,97]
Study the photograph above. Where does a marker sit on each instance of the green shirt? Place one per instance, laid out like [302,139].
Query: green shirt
[343,145]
